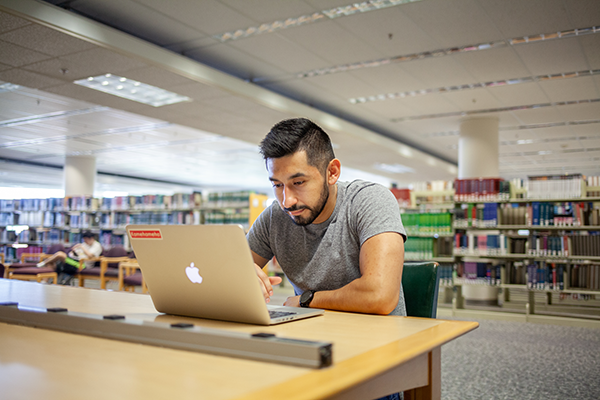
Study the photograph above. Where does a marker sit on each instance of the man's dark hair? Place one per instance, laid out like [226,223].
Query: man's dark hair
[298,134]
[88,234]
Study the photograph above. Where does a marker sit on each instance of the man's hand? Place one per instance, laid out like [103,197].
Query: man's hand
[266,282]
[293,301]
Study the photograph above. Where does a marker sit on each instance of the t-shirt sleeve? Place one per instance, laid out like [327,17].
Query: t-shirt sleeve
[376,211]
[258,235]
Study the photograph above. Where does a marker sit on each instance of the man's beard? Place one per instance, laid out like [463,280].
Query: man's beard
[314,211]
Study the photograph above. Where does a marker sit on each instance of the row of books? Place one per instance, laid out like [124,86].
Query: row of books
[548,245]
[585,276]
[585,244]
[109,239]
[229,216]
[555,186]
[427,223]
[89,203]
[535,214]
[177,201]
[446,274]
[593,182]
[483,272]
[542,275]
[481,244]
[481,189]
[476,215]
[112,220]
[419,248]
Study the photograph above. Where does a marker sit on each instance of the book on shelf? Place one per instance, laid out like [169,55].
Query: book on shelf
[483,215]
[548,245]
[446,273]
[542,275]
[480,243]
[585,276]
[481,189]
[427,223]
[471,272]
[555,186]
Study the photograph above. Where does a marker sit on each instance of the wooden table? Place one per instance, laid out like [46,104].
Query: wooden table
[373,355]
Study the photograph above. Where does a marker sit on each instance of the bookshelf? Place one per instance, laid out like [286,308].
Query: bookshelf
[545,246]
[63,220]
[525,245]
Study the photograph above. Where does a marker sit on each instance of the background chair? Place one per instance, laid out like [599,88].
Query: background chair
[27,270]
[130,276]
[108,269]
[421,282]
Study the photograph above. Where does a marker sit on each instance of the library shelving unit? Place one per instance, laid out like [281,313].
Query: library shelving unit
[62,220]
[537,252]
[429,226]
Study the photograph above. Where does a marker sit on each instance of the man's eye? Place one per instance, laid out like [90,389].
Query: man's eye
[298,183]
[277,185]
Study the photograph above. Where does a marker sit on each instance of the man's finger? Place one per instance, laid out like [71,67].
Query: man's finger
[265,283]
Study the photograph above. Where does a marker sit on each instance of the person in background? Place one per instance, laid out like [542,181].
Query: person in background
[67,265]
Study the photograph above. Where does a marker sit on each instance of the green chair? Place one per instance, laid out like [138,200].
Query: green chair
[421,282]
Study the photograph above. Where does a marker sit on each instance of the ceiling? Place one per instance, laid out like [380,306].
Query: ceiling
[390,85]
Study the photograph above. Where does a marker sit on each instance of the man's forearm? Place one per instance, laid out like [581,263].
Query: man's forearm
[359,296]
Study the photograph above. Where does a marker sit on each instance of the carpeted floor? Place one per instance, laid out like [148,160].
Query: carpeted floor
[513,360]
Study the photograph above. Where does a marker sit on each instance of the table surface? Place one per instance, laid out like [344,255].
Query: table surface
[39,363]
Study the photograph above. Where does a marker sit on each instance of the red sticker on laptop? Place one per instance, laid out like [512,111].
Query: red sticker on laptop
[145,234]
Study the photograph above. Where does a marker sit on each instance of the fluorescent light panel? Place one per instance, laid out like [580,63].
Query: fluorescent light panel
[523,127]
[494,110]
[337,12]
[448,89]
[449,51]
[132,90]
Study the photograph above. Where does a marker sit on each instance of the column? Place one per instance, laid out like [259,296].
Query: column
[478,152]
[79,176]
[478,155]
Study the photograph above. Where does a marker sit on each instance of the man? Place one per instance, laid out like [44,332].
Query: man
[341,244]
[67,265]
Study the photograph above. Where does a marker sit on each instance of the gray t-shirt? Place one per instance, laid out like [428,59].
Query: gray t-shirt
[326,256]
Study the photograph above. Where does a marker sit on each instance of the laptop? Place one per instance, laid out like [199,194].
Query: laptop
[205,271]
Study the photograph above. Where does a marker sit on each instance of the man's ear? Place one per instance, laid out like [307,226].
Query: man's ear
[333,171]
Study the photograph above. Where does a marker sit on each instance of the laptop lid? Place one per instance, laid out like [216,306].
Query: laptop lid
[204,271]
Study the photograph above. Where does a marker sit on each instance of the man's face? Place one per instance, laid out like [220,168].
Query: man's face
[301,190]
[88,240]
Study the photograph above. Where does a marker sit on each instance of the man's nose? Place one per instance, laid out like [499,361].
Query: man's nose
[288,198]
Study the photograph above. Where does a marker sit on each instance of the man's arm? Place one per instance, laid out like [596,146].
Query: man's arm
[266,282]
[378,289]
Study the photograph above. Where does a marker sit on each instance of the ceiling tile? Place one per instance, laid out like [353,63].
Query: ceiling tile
[570,89]
[517,18]
[17,56]
[493,64]
[553,56]
[45,40]
[456,23]
[9,22]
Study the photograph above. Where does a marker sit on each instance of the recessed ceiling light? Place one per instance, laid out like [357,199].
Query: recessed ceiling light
[132,90]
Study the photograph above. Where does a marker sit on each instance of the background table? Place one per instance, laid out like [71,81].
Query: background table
[371,354]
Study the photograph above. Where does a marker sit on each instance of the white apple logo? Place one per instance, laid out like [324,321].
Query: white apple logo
[193,274]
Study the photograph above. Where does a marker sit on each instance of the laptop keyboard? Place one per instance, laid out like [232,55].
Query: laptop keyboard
[278,314]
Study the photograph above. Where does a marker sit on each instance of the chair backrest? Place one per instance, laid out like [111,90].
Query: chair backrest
[55,248]
[420,282]
[115,251]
